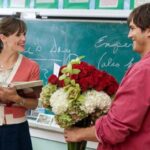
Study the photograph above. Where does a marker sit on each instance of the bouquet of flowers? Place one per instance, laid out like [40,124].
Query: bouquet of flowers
[79,95]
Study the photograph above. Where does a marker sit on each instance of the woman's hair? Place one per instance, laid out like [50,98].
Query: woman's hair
[141,16]
[10,25]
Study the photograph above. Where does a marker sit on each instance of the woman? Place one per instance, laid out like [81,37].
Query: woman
[14,130]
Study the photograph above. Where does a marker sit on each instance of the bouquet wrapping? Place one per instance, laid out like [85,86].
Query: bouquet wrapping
[79,95]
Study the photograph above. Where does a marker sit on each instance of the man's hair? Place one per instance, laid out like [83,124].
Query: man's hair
[141,16]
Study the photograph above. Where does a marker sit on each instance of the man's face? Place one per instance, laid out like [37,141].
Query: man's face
[139,38]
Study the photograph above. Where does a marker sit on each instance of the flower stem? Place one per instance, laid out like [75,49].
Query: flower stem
[77,145]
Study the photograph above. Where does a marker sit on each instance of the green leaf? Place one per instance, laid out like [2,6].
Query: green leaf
[75,71]
[67,69]
[62,77]
[73,82]
[67,80]
[77,60]
[81,98]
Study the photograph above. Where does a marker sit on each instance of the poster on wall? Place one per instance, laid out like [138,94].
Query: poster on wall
[135,3]
[46,4]
[79,4]
[44,119]
[109,4]
[19,3]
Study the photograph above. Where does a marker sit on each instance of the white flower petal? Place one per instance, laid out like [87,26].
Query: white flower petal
[95,99]
[59,101]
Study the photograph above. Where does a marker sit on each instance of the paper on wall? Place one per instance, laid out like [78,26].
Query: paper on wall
[17,3]
[108,3]
[78,1]
[140,2]
[44,1]
[56,69]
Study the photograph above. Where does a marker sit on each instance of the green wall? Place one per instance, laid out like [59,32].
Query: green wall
[104,45]
[42,144]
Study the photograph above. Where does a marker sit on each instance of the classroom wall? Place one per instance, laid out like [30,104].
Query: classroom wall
[42,144]
[60,4]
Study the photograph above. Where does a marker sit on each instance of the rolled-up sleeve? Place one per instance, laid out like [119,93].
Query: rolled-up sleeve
[128,111]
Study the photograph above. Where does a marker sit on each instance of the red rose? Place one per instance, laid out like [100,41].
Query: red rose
[53,79]
[60,71]
[104,81]
[97,75]
[85,69]
[101,85]
[90,81]
[83,84]
[86,83]
[61,83]
[89,77]
[112,89]
[74,77]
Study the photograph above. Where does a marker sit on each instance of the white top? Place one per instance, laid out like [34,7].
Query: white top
[6,75]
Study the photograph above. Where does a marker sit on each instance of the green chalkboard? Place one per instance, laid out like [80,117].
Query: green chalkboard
[104,45]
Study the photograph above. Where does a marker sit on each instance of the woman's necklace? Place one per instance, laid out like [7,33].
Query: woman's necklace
[5,67]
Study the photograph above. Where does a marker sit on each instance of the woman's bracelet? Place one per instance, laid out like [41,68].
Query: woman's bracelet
[22,102]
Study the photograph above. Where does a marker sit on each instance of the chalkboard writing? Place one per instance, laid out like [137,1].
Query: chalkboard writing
[104,45]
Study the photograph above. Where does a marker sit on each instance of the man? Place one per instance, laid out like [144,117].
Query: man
[127,124]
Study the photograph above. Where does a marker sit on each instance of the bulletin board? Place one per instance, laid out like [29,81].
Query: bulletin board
[109,4]
[46,4]
[18,3]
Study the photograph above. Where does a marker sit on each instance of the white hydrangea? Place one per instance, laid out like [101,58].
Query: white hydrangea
[95,99]
[59,101]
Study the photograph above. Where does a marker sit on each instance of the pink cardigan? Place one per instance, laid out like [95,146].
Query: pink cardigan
[127,124]
[28,70]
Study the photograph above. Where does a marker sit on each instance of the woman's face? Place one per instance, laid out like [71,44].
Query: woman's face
[15,42]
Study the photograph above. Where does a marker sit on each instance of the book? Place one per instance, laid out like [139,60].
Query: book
[27,84]
[29,89]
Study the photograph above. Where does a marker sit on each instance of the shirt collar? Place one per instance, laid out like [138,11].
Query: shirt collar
[146,56]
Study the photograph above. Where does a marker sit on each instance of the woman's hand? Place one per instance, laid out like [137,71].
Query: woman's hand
[8,95]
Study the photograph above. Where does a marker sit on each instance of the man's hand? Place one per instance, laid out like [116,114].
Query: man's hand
[80,134]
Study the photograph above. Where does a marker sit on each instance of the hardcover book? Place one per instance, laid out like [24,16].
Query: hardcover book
[29,89]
